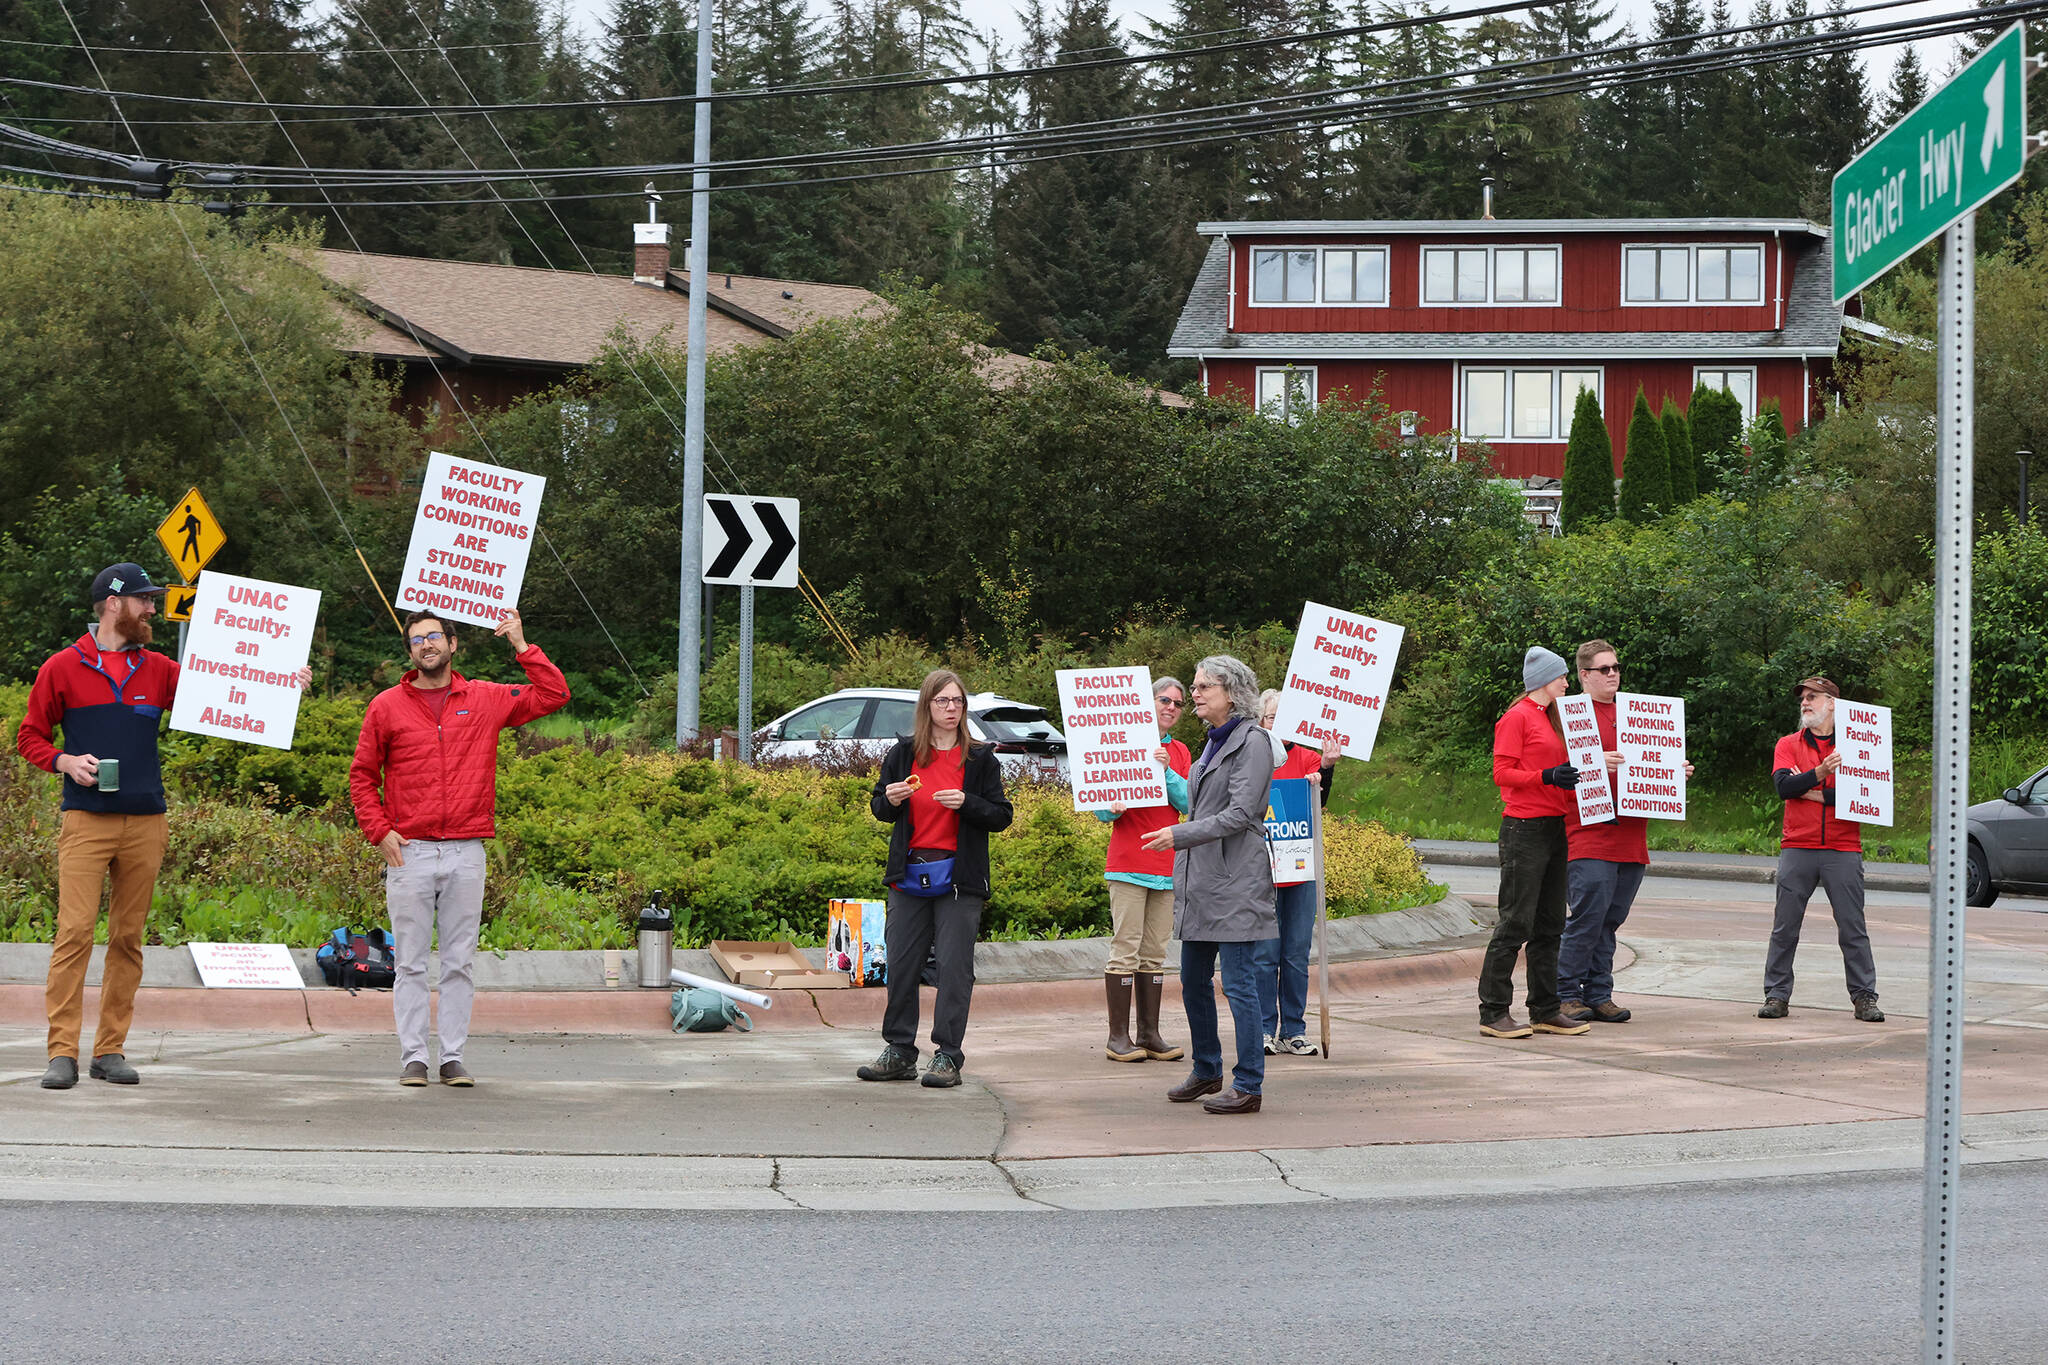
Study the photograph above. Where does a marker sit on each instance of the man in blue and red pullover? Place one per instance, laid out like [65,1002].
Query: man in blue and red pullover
[109,693]
[1818,848]
[425,786]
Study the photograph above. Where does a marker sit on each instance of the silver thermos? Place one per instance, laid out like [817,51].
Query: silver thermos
[657,944]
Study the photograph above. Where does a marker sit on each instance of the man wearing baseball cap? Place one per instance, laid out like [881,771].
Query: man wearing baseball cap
[109,692]
[1818,848]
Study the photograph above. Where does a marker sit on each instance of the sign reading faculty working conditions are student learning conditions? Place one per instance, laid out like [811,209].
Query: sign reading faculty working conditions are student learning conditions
[249,641]
[1863,787]
[470,540]
[1583,750]
[1112,734]
[1337,680]
[1650,733]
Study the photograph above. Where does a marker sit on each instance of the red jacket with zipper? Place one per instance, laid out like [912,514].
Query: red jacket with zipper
[1810,824]
[440,780]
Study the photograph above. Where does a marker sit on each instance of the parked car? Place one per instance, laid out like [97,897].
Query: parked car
[2009,843]
[1026,741]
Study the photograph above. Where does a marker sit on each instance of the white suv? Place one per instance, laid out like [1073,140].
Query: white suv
[1026,741]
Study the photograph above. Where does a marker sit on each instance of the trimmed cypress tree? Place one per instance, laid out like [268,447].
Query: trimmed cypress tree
[1588,468]
[1678,449]
[1716,421]
[1646,468]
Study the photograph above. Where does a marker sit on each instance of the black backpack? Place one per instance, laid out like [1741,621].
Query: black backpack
[358,961]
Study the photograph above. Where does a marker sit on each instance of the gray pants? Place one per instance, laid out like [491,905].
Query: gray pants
[441,880]
[1799,871]
[914,927]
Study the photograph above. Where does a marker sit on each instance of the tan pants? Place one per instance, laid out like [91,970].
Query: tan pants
[1140,923]
[90,848]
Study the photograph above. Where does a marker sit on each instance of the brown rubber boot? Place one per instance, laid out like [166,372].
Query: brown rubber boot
[1151,985]
[1117,987]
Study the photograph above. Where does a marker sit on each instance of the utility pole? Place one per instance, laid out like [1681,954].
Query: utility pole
[689,618]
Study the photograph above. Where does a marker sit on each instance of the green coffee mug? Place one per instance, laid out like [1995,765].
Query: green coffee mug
[110,774]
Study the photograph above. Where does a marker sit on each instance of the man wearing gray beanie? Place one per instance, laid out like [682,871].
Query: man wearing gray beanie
[1535,777]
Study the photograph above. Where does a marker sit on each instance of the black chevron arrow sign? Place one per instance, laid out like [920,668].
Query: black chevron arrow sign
[750,542]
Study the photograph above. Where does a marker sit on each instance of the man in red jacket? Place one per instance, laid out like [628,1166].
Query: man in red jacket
[1818,848]
[425,786]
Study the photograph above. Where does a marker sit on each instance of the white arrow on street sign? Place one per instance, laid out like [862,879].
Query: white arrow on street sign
[750,542]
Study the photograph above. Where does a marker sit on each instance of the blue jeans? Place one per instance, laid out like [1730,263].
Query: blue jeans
[1197,972]
[1283,963]
[1601,894]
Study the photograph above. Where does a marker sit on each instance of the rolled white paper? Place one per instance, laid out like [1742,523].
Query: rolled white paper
[680,977]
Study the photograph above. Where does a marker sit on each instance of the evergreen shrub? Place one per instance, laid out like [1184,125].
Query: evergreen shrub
[1588,494]
[1645,468]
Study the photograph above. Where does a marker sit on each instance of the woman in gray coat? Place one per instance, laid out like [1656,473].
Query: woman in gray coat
[1223,885]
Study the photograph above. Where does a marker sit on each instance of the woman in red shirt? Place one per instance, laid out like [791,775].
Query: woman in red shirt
[942,795]
[1535,778]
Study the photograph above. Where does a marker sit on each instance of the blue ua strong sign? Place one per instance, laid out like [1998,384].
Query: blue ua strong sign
[1290,838]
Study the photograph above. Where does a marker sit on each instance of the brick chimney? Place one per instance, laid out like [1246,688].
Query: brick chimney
[650,245]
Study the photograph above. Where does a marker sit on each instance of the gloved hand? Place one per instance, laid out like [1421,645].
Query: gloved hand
[1563,775]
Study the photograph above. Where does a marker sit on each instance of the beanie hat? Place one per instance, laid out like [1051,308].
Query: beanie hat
[1540,666]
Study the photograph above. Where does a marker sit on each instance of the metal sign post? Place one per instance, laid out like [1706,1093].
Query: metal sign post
[749,543]
[746,726]
[1315,826]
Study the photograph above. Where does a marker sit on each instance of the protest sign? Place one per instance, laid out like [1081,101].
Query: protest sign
[248,641]
[1337,680]
[1112,731]
[1863,784]
[470,540]
[1650,733]
[1290,835]
[246,967]
[1584,751]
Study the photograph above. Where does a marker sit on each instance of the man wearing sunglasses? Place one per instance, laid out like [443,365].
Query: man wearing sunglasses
[1604,865]
[425,786]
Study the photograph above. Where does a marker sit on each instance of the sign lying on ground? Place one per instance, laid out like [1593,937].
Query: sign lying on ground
[1337,680]
[191,535]
[246,967]
[1112,730]
[750,542]
[1584,751]
[1961,145]
[470,540]
[249,640]
[1650,733]
[1290,829]
[1864,785]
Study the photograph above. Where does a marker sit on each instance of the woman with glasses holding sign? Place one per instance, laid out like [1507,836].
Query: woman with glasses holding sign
[942,796]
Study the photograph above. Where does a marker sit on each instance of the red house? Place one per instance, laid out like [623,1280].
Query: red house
[1489,328]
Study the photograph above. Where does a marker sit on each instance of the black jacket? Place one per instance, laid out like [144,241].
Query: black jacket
[984,811]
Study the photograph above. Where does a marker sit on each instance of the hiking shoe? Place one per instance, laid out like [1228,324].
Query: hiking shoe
[114,1067]
[1774,1008]
[942,1074]
[1607,1012]
[1576,1009]
[1867,1010]
[1507,1026]
[415,1073]
[1298,1046]
[455,1073]
[62,1075]
[1559,1024]
[895,1064]
[1272,1046]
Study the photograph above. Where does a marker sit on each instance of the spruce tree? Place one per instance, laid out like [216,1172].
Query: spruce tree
[1715,417]
[1678,448]
[1588,468]
[1645,468]
[1909,87]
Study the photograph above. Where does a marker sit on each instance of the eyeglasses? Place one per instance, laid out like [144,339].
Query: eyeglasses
[949,702]
[432,637]
[1175,702]
[1603,668]
[1207,687]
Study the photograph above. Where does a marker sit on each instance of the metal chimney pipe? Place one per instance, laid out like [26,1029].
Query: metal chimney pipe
[1486,197]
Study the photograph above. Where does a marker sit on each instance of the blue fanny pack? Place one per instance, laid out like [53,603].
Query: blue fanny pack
[929,880]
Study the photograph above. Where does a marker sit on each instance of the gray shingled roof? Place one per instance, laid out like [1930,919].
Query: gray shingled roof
[1813,326]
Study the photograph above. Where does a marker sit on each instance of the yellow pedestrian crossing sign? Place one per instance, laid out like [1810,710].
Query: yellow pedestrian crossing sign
[178,602]
[190,535]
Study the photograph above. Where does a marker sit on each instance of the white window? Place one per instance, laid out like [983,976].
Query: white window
[1287,393]
[1741,383]
[1503,274]
[1517,403]
[1306,275]
[1692,274]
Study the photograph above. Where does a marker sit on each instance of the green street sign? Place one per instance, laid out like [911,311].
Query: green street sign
[1963,144]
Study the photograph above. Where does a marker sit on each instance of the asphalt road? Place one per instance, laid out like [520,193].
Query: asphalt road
[1807,1269]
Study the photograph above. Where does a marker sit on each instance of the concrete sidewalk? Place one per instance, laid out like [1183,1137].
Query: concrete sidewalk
[1413,1101]
[1719,867]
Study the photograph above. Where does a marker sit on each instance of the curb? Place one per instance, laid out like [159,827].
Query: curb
[1677,865]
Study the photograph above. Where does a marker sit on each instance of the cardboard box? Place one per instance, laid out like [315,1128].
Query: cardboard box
[772,966]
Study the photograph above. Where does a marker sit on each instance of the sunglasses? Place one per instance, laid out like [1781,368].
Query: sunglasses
[1603,668]
[432,637]
[1175,702]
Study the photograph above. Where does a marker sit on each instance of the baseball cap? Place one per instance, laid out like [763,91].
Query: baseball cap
[1821,685]
[123,580]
